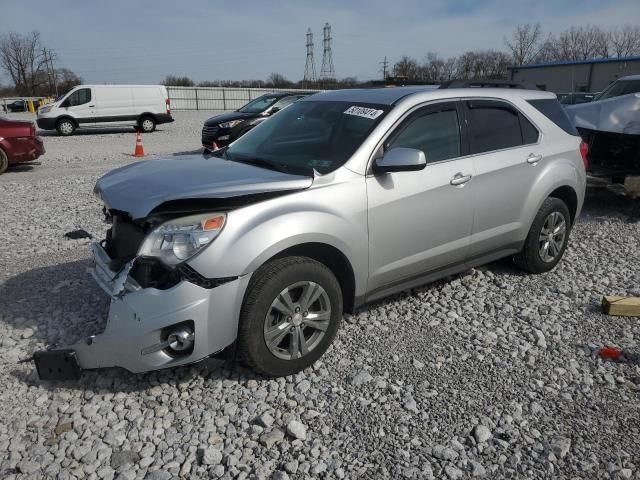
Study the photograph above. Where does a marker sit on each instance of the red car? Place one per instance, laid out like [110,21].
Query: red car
[18,143]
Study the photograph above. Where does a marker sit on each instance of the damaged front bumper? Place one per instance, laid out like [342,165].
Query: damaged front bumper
[140,321]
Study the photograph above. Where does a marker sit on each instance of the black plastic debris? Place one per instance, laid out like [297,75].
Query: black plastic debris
[77,234]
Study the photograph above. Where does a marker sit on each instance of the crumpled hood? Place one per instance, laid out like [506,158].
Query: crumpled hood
[617,115]
[141,187]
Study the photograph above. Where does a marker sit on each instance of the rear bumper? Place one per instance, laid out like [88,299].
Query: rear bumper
[25,149]
[140,319]
[163,118]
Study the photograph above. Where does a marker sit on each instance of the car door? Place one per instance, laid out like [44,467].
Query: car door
[81,105]
[420,221]
[507,155]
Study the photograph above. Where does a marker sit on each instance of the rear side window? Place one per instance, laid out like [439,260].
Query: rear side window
[497,125]
[552,109]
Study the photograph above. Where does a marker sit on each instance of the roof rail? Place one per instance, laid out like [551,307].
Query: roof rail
[487,84]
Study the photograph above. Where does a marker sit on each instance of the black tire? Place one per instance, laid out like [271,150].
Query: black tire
[65,127]
[147,124]
[264,288]
[531,257]
[4,162]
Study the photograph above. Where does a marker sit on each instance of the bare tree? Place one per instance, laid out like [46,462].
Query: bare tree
[625,41]
[582,43]
[67,79]
[524,43]
[23,59]
[277,80]
[407,67]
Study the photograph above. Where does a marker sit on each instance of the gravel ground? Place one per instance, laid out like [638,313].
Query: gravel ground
[489,374]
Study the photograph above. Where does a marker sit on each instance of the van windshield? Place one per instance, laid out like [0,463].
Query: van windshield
[309,135]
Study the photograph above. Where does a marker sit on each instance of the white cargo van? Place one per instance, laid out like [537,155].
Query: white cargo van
[143,106]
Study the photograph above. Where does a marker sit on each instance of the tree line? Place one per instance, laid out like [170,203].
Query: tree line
[527,44]
[30,66]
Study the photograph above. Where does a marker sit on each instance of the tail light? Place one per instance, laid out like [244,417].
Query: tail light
[584,152]
[168,104]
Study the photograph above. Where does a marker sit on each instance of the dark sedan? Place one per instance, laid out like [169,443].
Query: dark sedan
[18,143]
[221,130]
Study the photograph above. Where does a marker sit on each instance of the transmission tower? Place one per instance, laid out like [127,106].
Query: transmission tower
[310,65]
[327,72]
[385,68]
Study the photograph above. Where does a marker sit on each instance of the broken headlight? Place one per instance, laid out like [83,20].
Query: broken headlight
[179,239]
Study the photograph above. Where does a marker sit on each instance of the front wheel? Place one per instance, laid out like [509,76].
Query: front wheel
[290,316]
[547,239]
[65,127]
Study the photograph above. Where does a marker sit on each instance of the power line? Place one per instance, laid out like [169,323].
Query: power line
[327,71]
[310,65]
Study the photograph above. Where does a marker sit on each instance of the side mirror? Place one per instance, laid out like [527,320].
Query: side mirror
[65,104]
[274,110]
[400,160]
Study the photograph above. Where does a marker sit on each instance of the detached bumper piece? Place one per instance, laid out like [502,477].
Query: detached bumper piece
[57,365]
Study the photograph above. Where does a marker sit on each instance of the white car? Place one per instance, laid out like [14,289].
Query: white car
[144,106]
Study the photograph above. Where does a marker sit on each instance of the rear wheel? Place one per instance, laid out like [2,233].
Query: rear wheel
[547,239]
[4,162]
[290,316]
[65,127]
[147,124]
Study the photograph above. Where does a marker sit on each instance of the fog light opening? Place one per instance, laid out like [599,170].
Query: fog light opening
[181,339]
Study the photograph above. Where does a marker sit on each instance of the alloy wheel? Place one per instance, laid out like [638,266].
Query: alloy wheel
[297,320]
[552,236]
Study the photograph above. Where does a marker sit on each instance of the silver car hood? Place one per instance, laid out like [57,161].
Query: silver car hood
[140,188]
[617,115]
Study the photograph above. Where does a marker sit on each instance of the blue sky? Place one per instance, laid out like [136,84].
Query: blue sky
[140,41]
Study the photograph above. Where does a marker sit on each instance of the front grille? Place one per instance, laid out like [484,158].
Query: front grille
[123,241]
[210,130]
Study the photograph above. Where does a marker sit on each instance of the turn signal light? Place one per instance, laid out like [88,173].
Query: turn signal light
[213,223]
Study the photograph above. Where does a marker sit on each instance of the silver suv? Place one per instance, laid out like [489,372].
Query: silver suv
[343,198]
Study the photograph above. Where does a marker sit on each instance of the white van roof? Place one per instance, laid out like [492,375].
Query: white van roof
[119,86]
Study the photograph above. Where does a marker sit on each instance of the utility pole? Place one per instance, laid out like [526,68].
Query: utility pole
[51,73]
[310,65]
[327,71]
[385,68]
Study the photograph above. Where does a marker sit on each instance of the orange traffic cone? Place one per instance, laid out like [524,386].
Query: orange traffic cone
[139,151]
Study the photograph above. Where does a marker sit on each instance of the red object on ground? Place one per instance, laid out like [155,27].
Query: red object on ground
[139,151]
[610,353]
[18,142]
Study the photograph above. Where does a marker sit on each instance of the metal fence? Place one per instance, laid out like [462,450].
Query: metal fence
[216,98]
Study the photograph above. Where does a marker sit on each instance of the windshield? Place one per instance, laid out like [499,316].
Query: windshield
[309,135]
[618,88]
[259,105]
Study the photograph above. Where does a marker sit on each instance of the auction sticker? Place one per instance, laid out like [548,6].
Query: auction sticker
[371,113]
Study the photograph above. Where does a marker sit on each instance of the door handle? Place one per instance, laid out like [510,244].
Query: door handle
[460,179]
[533,158]
[91,106]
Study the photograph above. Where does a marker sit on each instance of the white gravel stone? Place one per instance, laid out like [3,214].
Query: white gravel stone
[297,430]
[481,433]
[511,352]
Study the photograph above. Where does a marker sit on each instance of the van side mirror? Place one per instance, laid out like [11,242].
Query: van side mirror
[400,159]
[65,104]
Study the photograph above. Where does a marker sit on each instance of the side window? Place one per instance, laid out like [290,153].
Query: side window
[530,133]
[493,126]
[435,132]
[284,102]
[79,97]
